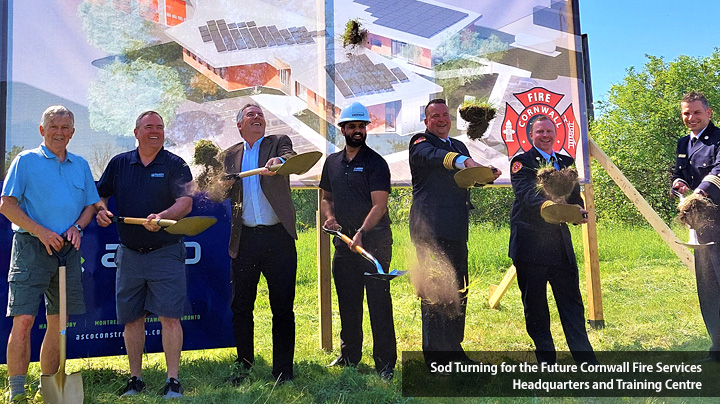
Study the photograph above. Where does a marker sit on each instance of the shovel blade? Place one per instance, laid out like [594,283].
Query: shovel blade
[300,164]
[62,389]
[470,177]
[191,226]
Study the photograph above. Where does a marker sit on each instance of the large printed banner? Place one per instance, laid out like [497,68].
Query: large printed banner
[197,62]
[207,322]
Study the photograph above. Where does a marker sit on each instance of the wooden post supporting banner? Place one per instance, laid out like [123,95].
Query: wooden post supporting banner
[592,262]
[497,292]
[647,211]
[324,280]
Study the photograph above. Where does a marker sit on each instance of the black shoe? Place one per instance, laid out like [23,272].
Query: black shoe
[239,374]
[284,378]
[134,386]
[173,389]
[387,374]
[342,362]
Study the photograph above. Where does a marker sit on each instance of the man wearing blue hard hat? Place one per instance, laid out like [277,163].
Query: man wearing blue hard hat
[356,185]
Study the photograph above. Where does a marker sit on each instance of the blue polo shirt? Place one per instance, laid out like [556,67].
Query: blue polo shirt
[139,191]
[51,193]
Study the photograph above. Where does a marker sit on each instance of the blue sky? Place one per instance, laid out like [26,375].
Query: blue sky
[620,33]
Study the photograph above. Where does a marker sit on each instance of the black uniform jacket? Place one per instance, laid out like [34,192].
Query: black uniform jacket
[691,166]
[440,208]
[532,239]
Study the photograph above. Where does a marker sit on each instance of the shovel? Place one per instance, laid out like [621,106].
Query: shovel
[61,388]
[380,272]
[692,233]
[298,164]
[556,213]
[189,226]
[472,176]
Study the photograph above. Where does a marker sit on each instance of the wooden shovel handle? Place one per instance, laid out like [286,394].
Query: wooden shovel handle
[250,173]
[139,220]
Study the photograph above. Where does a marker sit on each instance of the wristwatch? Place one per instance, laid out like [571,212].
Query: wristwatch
[361,231]
[77,226]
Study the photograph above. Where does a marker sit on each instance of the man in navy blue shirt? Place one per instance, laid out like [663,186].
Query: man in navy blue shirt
[153,183]
[356,185]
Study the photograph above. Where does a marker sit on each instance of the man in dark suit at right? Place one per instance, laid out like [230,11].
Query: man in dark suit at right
[697,169]
[542,252]
[262,241]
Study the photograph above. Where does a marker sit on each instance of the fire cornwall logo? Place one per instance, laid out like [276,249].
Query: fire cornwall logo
[539,101]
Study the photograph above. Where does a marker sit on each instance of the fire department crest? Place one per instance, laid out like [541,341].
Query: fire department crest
[539,101]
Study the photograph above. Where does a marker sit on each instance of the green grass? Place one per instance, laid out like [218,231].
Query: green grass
[649,303]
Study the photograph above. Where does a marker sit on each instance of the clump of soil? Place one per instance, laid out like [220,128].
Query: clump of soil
[557,184]
[697,211]
[478,117]
[207,154]
[355,34]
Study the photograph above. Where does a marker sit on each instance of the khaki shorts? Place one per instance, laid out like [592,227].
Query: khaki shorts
[33,273]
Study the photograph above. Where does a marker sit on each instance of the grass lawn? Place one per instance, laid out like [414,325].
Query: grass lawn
[649,303]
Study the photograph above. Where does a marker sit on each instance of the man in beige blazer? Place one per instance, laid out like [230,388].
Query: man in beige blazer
[262,241]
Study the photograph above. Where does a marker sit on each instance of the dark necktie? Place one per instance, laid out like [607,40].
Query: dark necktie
[693,140]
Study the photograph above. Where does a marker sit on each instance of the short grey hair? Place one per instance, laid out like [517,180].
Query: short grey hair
[55,111]
[246,106]
[144,114]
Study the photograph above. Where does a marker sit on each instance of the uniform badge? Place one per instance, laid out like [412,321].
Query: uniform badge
[517,166]
[419,140]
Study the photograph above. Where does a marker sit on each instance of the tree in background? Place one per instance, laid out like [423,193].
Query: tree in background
[124,90]
[638,128]
[10,156]
[112,30]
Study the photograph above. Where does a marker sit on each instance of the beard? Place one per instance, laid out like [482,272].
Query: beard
[352,142]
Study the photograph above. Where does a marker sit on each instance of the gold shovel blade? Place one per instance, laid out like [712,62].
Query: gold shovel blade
[62,389]
[561,213]
[191,226]
[469,177]
[299,164]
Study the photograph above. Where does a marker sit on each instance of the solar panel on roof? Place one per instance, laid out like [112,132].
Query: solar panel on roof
[239,41]
[247,38]
[266,35]
[279,40]
[287,36]
[242,24]
[412,16]
[257,37]
[399,74]
[343,88]
[251,24]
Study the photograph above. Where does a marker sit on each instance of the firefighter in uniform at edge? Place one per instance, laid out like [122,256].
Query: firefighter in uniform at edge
[356,181]
[439,226]
[542,252]
[698,168]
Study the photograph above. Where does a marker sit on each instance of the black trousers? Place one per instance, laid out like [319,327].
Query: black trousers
[532,280]
[707,273]
[443,322]
[269,251]
[351,285]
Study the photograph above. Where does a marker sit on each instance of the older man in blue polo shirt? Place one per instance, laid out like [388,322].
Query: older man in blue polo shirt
[48,196]
[149,182]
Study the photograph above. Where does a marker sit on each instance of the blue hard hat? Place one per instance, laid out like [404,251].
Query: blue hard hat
[354,112]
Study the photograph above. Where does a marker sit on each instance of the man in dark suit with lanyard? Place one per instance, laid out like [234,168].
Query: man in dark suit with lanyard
[262,241]
[697,168]
[439,228]
[542,252]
